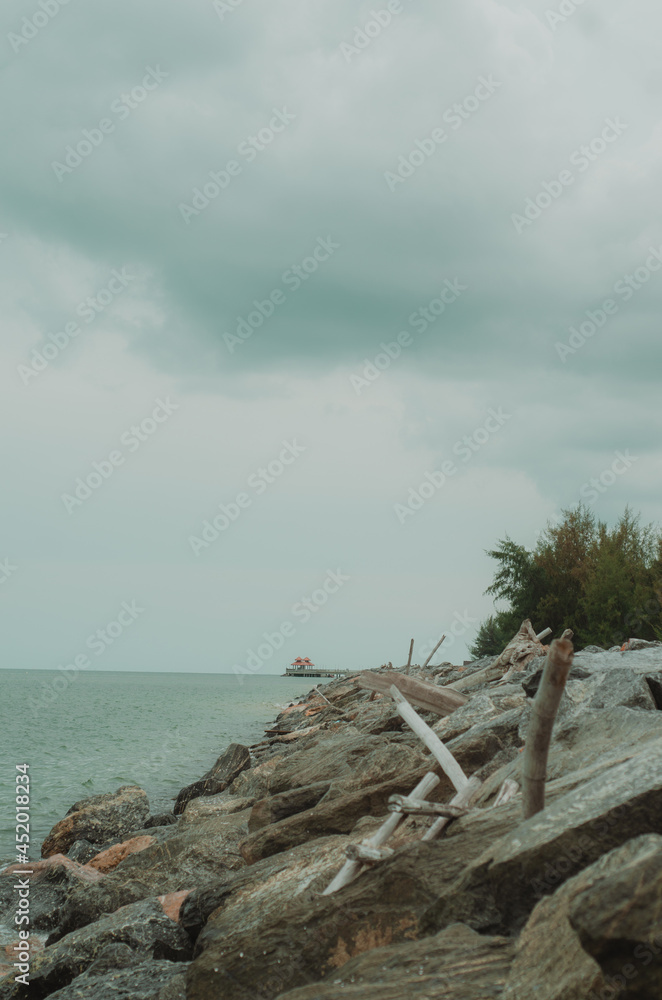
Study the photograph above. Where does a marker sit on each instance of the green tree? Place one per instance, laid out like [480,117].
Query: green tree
[606,585]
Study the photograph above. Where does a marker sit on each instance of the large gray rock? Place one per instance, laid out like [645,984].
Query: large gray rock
[260,943]
[618,917]
[550,962]
[51,881]
[144,927]
[277,807]
[229,766]
[499,889]
[120,973]
[99,819]
[194,854]
[456,964]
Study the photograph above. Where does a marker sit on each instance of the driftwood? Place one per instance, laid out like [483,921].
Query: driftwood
[521,648]
[433,651]
[351,868]
[508,791]
[541,723]
[364,853]
[462,799]
[411,652]
[445,758]
[428,697]
[419,807]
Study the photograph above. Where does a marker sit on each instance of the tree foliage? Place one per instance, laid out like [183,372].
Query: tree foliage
[605,584]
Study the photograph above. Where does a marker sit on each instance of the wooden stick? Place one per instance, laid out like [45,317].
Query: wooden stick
[351,868]
[411,651]
[433,651]
[541,723]
[508,791]
[543,635]
[419,807]
[363,853]
[568,634]
[462,799]
[446,760]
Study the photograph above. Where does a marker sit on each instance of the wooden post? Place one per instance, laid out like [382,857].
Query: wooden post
[446,760]
[351,868]
[462,799]
[543,635]
[541,723]
[421,807]
[411,650]
[433,651]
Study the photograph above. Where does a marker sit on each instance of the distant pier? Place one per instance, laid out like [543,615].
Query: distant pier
[313,672]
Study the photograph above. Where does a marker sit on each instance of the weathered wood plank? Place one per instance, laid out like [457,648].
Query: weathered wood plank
[428,697]
[363,853]
[433,651]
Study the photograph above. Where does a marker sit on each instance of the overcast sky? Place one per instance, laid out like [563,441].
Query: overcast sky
[342,243]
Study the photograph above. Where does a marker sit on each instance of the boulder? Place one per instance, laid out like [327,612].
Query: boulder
[146,981]
[229,765]
[259,943]
[456,964]
[332,815]
[617,918]
[212,806]
[144,927]
[109,859]
[277,807]
[51,882]
[98,819]
[83,851]
[270,884]
[499,889]
[196,853]
[161,819]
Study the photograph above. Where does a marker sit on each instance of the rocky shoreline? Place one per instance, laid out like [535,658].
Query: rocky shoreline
[224,897]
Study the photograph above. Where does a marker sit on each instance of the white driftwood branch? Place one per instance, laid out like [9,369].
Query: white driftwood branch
[462,799]
[541,723]
[543,635]
[445,758]
[433,651]
[351,868]
[508,791]
[419,807]
[364,853]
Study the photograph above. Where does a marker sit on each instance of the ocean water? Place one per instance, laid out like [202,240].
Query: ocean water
[105,729]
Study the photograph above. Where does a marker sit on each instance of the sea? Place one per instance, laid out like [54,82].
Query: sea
[104,729]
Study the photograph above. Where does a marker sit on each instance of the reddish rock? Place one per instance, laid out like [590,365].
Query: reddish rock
[107,860]
[172,903]
[39,869]
[99,819]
